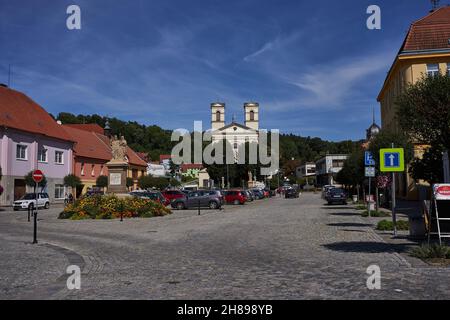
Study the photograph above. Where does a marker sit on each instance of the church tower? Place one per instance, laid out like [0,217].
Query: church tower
[251,110]
[217,115]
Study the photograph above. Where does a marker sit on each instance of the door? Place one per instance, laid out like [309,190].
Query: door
[19,188]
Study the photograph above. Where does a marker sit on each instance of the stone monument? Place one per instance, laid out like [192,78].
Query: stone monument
[118,166]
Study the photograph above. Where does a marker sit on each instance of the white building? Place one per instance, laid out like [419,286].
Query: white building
[235,133]
[156,170]
[306,170]
[327,168]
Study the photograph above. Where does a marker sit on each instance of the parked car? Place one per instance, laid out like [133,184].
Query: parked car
[291,193]
[29,201]
[250,196]
[212,199]
[152,195]
[336,195]
[235,197]
[259,194]
[173,194]
[326,189]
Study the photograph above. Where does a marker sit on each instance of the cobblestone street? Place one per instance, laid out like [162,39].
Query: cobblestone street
[274,249]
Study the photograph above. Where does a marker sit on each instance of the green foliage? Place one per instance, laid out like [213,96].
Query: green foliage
[374,213]
[433,251]
[429,167]
[102,181]
[30,182]
[72,180]
[352,173]
[387,225]
[147,182]
[129,182]
[424,110]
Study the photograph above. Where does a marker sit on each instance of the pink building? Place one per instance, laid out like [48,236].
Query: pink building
[31,139]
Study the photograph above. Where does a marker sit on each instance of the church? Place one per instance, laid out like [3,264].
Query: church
[235,133]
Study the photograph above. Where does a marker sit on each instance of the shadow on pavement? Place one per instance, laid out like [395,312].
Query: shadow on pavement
[350,224]
[367,247]
[335,207]
[343,214]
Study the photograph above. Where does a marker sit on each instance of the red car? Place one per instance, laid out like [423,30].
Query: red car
[235,197]
[172,195]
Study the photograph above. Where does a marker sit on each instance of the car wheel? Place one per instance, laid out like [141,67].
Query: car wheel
[47,205]
[180,205]
[213,205]
[236,202]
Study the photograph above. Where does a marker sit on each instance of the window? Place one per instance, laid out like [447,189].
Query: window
[59,191]
[338,163]
[59,157]
[42,155]
[218,116]
[93,170]
[134,174]
[252,115]
[235,143]
[21,152]
[433,69]
[101,170]
[82,169]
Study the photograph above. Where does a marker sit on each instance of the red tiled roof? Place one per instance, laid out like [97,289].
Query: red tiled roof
[91,127]
[91,144]
[164,157]
[143,156]
[18,111]
[88,144]
[429,33]
[188,166]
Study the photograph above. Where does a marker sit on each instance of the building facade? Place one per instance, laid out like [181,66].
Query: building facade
[31,139]
[328,167]
[425,52]
[306,170]
[235,133]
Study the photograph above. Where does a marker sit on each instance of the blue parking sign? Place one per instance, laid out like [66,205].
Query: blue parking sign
[368,159]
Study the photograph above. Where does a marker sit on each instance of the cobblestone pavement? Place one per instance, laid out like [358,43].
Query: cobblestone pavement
[274,249]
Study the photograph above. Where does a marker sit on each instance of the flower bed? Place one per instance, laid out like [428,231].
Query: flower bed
[110,207]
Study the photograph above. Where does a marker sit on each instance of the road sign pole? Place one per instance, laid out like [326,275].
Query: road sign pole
[394,217]
[368,206]
[35,214]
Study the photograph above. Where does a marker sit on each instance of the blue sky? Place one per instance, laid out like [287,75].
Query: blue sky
[313,66]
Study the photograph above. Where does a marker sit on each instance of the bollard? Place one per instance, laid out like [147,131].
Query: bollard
[35,227]
[198,206]
[29,213]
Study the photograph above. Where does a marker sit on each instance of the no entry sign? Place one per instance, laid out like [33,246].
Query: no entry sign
[37,176]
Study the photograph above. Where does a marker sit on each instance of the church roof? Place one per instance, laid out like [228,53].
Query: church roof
[235,124]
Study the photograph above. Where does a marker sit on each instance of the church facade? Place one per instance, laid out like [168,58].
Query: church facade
[235,133]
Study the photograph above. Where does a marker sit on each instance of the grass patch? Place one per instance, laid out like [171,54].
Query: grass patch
[375,213]
[361,207]
[431,252]
[386,225]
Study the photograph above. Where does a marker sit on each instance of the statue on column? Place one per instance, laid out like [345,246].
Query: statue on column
[118,149]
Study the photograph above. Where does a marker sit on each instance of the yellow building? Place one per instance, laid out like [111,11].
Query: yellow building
[425,51]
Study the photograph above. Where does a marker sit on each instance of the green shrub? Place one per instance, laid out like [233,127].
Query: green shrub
[386,225]
[375,214]
[434,251]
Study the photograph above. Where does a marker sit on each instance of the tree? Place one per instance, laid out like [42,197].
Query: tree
[30,182]
[72,181]
[352,173]
[424,110]
[102,181]
[429,167]
[424,114]
[129,182]
[147,182]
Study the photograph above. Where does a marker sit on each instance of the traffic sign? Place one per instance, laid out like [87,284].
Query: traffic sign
[392,160]
[370,172]
[368,159]
[38,176]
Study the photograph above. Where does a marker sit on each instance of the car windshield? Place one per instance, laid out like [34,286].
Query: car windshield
[28,196]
